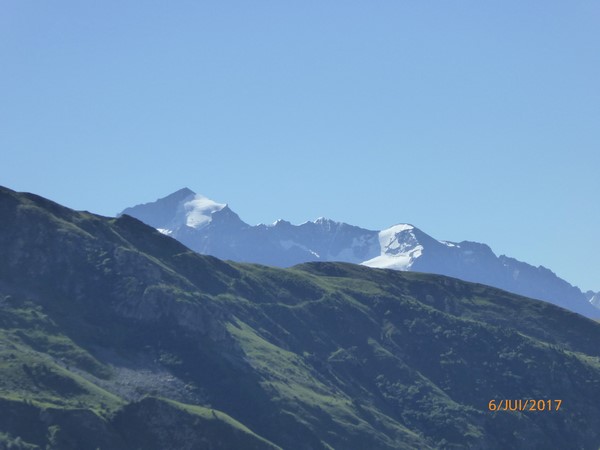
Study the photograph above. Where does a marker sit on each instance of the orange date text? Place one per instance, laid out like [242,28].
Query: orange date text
[524,405]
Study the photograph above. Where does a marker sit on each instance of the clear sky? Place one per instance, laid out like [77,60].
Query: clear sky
[472,120]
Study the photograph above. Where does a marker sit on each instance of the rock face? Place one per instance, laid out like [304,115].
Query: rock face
[211,228]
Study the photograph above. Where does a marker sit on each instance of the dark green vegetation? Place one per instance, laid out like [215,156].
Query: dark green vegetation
[113,336]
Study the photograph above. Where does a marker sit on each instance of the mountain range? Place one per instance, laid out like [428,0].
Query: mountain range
[212,228]
[115,336]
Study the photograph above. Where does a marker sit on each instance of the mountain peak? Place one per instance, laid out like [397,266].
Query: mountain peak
[398,228]
[199,209]
[324,220]
[318,221]
[182,207]
[184,191]
[399,248]
[178,195]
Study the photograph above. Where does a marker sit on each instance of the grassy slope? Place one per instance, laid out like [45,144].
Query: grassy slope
[46,401]
[98,313]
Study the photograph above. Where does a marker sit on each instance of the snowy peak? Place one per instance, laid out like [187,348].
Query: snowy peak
[399,248]
[280,223]
[183,208]
[197,211]
[398,240]
[324,220]
[323,224]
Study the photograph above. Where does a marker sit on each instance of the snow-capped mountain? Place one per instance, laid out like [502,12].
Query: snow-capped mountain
[213,228]
[398,248]
[182,209]
[221,233]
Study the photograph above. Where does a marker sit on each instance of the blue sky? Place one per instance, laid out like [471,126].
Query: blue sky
[472,120]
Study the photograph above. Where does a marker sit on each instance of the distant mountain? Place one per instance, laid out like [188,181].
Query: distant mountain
[223,234]
[214,229]
[593,298]
[114,336]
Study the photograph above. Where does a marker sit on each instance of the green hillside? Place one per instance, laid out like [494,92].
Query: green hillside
[114,336]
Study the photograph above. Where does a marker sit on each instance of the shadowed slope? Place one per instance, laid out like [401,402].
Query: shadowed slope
[110,317]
